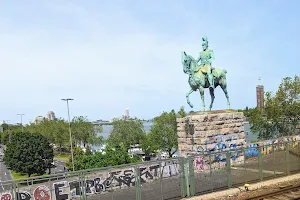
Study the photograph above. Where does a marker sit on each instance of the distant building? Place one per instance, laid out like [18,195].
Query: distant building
[126,114]
[50,115]
[260,95]
[39,119]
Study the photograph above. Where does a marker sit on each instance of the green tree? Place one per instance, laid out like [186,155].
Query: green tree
[4,126]
[60,133]
[281,112]
[29,153]
[182,112]
[147,146]
[126,132]
[85,132]
[55,130]
[247,111]
[88,150]
[5,136]
[163,133]
[112,156]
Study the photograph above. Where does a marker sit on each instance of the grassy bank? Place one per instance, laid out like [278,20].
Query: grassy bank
[63,157]
[17,175]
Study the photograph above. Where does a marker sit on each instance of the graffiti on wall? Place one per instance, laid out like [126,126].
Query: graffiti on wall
[219,142]
[63,190]
[253,148]
[200,163]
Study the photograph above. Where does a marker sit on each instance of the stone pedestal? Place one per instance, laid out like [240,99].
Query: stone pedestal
[210,131]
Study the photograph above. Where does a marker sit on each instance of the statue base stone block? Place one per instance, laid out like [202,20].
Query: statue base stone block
[218,130]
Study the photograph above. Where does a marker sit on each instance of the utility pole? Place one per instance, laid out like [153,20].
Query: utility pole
[67,100]
[9,132]
[21,121]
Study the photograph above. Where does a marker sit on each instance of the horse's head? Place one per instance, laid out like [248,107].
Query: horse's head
[186,62]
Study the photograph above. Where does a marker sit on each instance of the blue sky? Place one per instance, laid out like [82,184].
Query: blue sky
[109,55]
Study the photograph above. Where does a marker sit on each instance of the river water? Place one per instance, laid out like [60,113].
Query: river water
[107,129]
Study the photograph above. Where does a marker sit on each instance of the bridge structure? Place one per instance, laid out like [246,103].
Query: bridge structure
[181,177]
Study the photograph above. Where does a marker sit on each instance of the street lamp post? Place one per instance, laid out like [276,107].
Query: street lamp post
[21,121]
[6,122]
[67,100]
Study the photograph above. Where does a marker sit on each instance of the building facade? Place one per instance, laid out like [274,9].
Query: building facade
[126,114]
[50,115]
[260,95]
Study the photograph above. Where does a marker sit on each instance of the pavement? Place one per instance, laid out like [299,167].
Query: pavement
[5,174]
[59,166]
[6,177]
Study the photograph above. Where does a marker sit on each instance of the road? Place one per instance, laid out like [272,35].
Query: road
[59,166]
[5,175]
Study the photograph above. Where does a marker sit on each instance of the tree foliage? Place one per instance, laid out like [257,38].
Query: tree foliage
[126,132]
[182,112]
[85,132]
[163,133]
[29,153]
[4,126]
[110,157]
[57,131]
[281,113]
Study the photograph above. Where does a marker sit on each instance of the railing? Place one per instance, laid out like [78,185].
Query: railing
[163,179]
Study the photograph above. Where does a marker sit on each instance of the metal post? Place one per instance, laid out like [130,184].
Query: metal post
[161,181]
[14,190]
[67,100]
[21,121]
[83,186]
[186,174]
[298,154]
[228,166]
[9,132]
[273,150]
[260,164]
[210,173]
[287,157]
[182,177]
[138,183]
[191,176]
[245,170]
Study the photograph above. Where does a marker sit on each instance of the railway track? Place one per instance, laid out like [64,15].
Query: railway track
[286,193]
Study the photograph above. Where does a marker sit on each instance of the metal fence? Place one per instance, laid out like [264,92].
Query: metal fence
[164,179]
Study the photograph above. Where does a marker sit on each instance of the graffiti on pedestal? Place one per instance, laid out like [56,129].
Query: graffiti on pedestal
[200,164]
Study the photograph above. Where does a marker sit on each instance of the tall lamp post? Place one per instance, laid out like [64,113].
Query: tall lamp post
[21,121]
[67,100]
[6,122]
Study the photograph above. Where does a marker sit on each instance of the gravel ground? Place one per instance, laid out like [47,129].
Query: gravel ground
[243,195]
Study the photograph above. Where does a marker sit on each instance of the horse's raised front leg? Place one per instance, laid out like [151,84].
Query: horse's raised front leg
[187,97]
[201,90]
[212,97]
[224,88]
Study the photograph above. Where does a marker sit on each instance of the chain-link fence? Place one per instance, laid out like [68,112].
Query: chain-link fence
[163,179]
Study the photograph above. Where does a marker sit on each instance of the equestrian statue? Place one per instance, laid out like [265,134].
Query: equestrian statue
[204,75]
